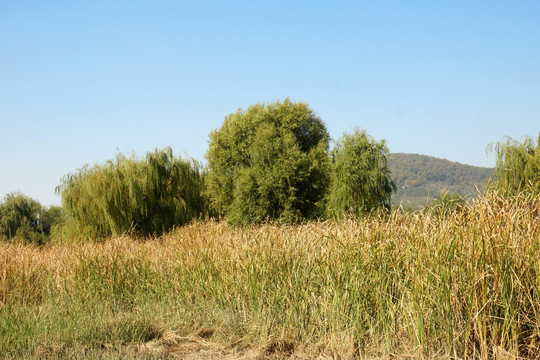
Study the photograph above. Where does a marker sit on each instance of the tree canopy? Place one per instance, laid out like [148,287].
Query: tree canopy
[518,165]
[26,220]
[269,162]
[361,180]
[147,196]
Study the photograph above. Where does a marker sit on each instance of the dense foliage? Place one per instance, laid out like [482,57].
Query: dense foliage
[147,196]
[360,177]
[24,219]
[518,165]
[269,162]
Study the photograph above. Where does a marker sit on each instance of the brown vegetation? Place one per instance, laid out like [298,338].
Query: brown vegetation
[461,285]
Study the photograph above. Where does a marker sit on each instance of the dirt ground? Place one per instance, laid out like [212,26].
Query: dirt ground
[199,347]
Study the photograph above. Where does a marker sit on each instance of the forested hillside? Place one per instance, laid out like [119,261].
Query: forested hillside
[420,178]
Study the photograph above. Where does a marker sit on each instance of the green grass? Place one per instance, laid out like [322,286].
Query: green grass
[462,286]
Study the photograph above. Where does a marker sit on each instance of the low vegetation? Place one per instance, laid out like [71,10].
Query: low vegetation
[446,203]
[463,285]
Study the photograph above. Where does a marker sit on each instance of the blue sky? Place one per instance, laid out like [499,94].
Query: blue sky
[80,81]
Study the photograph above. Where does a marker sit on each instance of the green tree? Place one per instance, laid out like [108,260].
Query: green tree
[147,196]
[361,180]
[20,218]
[51,217]
[269,162]
[518,165]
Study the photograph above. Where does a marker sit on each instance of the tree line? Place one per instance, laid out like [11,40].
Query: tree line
[24,219]
[269,162]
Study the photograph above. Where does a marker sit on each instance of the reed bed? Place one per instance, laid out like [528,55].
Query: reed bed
[415,285]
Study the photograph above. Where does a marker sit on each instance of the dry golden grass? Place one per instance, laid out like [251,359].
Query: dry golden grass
[410,285]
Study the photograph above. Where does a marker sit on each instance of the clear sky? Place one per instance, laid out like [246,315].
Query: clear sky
[80,81]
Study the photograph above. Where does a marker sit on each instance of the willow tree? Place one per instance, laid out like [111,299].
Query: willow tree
[20,217]
[518,165]
[361,179]
[269,162]
[147,196]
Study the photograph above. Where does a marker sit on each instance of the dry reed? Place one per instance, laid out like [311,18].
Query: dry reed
[465,285]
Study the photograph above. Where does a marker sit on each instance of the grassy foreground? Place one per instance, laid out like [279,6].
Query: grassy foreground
[411,285]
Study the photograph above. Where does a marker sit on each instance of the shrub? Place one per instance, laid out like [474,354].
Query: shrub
[147,196]
[269,162]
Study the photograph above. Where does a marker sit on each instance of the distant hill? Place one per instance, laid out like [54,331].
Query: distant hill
[420,178]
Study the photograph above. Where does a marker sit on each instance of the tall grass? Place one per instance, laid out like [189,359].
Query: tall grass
[465,285]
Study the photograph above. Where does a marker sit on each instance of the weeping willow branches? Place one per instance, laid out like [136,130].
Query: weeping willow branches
[148,196]
[518,165]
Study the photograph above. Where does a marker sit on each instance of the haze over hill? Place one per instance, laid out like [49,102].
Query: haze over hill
[420,178]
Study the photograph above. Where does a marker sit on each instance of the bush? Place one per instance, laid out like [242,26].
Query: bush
[147,196]
[361,180]
[269,162]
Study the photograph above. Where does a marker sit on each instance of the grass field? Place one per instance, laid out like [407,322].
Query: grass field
[409,285]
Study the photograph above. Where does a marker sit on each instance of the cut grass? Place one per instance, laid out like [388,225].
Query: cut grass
[464,285]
